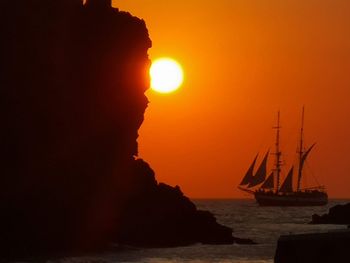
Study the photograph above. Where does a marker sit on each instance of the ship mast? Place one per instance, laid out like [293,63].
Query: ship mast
[301,150]
[278,153]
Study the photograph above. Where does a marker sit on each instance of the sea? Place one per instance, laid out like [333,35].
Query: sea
[264,225]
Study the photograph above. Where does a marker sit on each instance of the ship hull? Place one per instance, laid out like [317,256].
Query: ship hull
[291,199]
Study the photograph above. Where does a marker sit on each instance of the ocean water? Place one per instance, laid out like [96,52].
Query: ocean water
[262,224]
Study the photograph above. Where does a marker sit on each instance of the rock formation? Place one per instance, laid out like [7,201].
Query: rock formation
[339,214]
[160,215]
[72,80]
[331,247]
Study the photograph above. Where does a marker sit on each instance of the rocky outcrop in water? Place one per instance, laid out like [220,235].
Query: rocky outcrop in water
[160,215]
[339,214]
[72,81]
[331,247]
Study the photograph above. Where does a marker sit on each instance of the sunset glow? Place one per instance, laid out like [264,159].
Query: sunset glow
[243,61]
[166,75]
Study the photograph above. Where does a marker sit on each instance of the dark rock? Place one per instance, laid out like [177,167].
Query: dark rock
[162,216]
[244,241]
[332,247]
[72,100]
[339,214]
[72,80]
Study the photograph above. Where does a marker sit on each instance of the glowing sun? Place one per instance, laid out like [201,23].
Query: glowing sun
[166,75]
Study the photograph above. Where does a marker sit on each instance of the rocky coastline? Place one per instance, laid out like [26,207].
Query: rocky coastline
[328,247]
[72,83]
[331,247]
[338,215]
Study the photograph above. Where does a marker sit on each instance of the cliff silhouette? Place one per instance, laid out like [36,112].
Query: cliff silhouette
[72,80]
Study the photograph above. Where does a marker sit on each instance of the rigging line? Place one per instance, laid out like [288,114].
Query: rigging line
[312,173]
[290,158]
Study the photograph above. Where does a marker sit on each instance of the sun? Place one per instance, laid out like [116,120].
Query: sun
[166,75]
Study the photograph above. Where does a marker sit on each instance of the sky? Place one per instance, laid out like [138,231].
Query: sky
[243,61]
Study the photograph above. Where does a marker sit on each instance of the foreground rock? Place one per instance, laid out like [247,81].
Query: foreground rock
[339,214]
[159,215]
[332,247]
[73,78]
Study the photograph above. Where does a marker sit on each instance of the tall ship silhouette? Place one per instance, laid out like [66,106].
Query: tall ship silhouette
[268,191]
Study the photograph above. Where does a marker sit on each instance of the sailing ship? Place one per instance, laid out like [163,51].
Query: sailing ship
[267,189]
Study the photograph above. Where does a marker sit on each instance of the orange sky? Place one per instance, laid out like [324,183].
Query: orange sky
[244,60]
